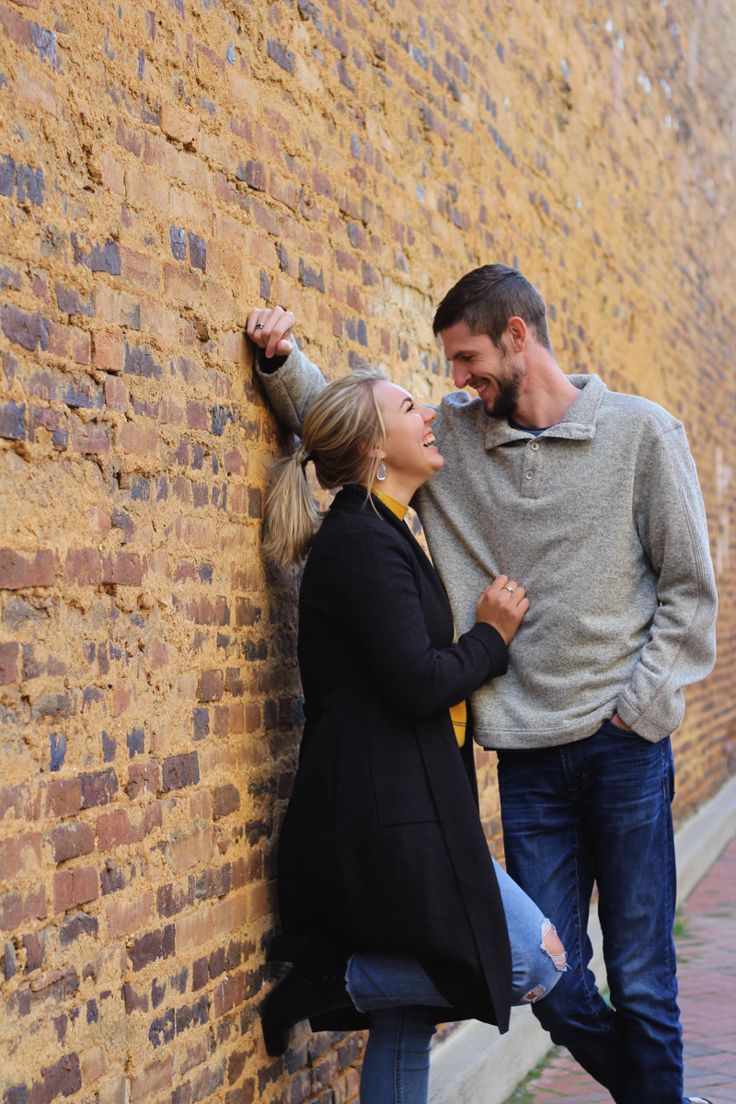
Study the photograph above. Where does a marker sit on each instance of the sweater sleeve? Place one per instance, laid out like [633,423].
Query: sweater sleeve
[671,522]
[291,384]
[376,594]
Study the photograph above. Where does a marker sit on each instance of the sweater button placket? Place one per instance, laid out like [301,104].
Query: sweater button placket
[531,470]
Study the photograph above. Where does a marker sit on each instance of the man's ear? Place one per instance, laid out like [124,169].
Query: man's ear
[517,333]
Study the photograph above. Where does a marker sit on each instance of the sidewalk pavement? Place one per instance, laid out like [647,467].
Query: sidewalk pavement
[706,953]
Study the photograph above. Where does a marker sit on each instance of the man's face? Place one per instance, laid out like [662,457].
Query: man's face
[496,374]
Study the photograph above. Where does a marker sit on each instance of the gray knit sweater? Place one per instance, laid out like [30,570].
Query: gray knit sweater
[602,520]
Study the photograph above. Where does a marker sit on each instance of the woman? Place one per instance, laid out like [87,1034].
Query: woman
[394,914]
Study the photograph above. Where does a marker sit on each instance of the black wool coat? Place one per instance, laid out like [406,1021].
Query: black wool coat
[382,848]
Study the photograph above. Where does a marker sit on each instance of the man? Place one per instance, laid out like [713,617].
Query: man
[591,498]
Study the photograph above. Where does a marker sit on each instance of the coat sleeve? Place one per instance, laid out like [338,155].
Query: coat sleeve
[376,595]
[671,522]
[291,383]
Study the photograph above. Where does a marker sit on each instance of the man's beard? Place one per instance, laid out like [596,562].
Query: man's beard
[507,395]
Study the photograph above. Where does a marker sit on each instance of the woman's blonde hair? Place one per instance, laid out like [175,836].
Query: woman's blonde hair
[342,435]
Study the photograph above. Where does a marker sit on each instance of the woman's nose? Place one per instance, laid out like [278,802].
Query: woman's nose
[428,413]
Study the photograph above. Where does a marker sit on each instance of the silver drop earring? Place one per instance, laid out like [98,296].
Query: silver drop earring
[381,472]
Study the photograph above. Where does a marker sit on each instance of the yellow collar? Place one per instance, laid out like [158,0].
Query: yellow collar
[395,507]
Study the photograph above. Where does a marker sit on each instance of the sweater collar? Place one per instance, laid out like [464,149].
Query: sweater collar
[578,424]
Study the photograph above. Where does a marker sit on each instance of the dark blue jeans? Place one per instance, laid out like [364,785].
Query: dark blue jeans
[598,811]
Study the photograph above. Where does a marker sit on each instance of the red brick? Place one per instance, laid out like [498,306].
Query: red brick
[143,779]
[17,908]
[69,342]
[117,396]
[64,796]
[124,568]
[70,840]
[229,993]
[20,855]
[83,566]
[124,917]
[140,269]
[179,124]
[18,571]
[136,439]
[225,800]
[75,887]
[211,686]
[63,1078]
[114,828]
[9,662]
[107,353]
[153,1079]
[179,771]
[91,439]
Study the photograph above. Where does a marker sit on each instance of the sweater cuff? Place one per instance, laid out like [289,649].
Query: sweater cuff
[268,365]
[494,644]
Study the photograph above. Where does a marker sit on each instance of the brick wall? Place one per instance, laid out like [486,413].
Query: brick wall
[162,167]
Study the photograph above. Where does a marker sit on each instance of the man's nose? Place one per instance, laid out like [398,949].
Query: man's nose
[460,375]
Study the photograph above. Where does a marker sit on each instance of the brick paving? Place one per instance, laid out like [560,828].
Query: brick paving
[706,951]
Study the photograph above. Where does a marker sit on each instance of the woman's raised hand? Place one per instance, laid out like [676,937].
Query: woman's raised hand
[502,605]
[270,328]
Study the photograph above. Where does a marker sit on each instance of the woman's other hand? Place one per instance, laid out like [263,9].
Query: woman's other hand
[502,605]
[270,328]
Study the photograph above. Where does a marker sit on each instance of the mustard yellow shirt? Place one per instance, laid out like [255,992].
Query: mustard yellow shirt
[459,712]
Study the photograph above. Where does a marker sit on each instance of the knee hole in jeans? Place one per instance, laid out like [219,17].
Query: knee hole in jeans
[552,946]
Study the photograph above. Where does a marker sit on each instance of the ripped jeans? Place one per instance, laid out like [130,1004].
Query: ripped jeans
[405,1005]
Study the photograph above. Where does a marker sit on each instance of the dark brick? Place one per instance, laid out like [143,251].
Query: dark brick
[162,1029]
[253,173]
[45,43]
[78,924]
[70,301]
[225,800]
[10,654]
[61,1079]
[7,175]
[197,252]
[34,944]
[200,973]
[98,787]
[201,722]
[16,1094]
[135,740]
[13,421]
[98,258]
[280,55]
[139,362]
[153,945]
[192,1014]
[109,746]
[178,243]
[180,770]
[9,961]
[57,750]
[213,882]
[30,330]
[309,277]
[51,705]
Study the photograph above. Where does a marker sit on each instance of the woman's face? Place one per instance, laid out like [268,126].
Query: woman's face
[409,449]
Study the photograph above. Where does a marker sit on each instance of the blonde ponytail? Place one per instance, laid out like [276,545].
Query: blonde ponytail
[291,514]
[342,432]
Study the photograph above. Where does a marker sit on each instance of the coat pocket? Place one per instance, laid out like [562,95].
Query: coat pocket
[400,784]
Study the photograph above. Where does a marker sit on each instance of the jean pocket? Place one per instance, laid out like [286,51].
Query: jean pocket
[612,727]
